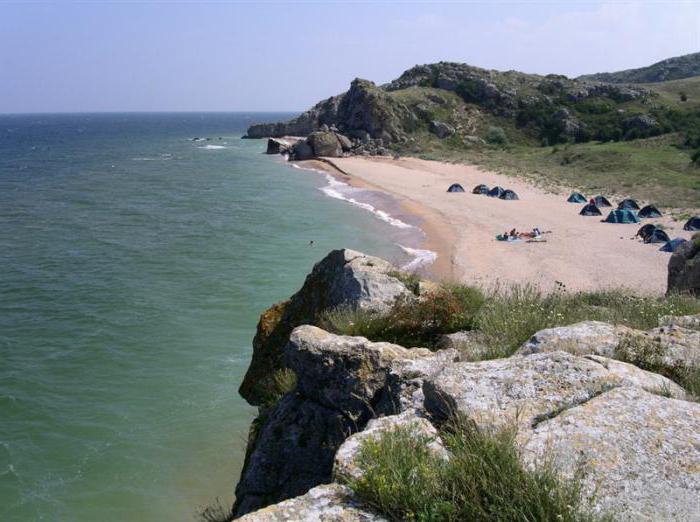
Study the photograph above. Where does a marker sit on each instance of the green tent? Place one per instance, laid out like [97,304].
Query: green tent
[622,216]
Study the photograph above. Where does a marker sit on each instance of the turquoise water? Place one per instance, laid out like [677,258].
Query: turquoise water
[135,263]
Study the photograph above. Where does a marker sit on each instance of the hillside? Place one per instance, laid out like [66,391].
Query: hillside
[675,68]
[548,126]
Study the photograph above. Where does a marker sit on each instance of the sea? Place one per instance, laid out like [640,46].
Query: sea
[137,252]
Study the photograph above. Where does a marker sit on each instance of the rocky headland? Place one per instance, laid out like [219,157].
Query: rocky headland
[605,397]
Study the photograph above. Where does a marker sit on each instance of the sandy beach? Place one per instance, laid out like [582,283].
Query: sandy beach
[581,253]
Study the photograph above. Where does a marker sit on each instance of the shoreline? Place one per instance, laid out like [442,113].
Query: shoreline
[580,254]
[435,229]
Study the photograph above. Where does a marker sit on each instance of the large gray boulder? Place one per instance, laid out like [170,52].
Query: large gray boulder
[325,143]
[343,279]
[584,338]
[684,269]
[327,503]
[279,146]
[302,151]
[524,390]
[639,453]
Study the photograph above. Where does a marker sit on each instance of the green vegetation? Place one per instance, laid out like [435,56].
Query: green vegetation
[647,354]
[669,69]
[484,479]
[505,317]
[411,280]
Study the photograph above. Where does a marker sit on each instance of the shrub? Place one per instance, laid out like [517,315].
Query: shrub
[496,136]
[683,96]
[414,322]
[483,480]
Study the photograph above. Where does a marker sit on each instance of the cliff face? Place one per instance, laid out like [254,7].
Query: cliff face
[635,431]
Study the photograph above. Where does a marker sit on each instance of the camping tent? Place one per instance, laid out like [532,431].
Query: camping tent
[496,192]
[480,189]
[576,197]
[455,187]
[657,236]
[622,216]
[590,210]
[508,194]
[646,230]
[628,204]
[673,245]
[601,201]
[649,211]
[692,224]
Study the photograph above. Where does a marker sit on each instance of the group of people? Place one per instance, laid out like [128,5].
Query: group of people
[535,234]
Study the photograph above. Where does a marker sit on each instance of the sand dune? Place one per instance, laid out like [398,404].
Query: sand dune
[582,253]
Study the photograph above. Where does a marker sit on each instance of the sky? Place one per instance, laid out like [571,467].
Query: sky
[94,56]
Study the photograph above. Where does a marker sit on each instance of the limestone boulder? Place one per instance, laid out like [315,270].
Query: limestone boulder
[325,143]
[524,390]
[441,129]
[470,345]
[684,321]
[343,279]
[326,503]
[584,338]
[639,453]
[301,151]
[279,146]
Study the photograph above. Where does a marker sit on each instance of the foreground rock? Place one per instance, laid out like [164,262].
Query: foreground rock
[684,269]
[328,503]
[279,146]
[640,453]
[342,382]
[344,278]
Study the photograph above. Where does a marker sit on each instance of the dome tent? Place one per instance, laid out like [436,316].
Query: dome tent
[692,224]
[628,204]
[657,236]
[649,211]
[495,192]
[601,201]
[673,245]
[590,210]
[622,216]
[455,187]
[508,194]
[646,230]
[480,189]
[576,197]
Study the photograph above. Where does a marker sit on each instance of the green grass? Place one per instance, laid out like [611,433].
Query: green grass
[647,354]
[505,317]
[669,92]
[483,480]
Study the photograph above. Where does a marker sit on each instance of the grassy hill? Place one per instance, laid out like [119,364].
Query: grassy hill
[670,69]
[638,140]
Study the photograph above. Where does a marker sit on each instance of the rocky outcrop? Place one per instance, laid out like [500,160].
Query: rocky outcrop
[327,503]
[279,146]
[342,382]
[325,144]
[639,453]
[344,278]
[684,269]
[634,433]
[441,129]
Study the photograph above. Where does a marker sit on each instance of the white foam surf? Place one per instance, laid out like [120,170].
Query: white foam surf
[212,147]
[420,259]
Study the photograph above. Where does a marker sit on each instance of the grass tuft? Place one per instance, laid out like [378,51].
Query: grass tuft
[483,480]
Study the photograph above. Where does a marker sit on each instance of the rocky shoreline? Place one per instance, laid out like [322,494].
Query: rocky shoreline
[572,398]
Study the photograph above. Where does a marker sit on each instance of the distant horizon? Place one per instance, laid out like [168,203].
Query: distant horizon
[71,58]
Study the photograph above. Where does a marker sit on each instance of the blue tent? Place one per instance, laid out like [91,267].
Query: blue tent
[496,192]
[590,210]
[646,230]
[673,245]
[601,201]
[576,197]
[508,194]
[657,236]
[628,204]
[480,189]
[455,187]
[692,224]
[649,211]
[622,216]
